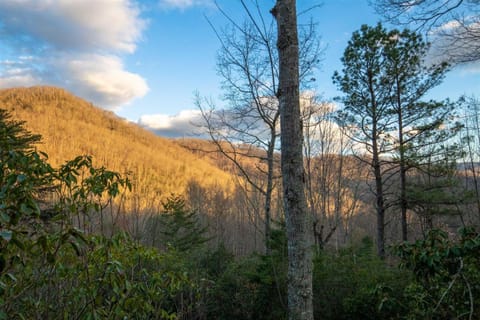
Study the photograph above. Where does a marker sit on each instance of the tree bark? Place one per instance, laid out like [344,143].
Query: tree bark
[403,166]
[380,201]
[269,191]
[298,222]
[377,171]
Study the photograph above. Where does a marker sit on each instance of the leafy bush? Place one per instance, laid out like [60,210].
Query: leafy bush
[49,269]
[355,284]
[107,279]
[253,287]
[447,275]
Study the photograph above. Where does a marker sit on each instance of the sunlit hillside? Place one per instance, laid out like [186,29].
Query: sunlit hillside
[71,126]
[249,157]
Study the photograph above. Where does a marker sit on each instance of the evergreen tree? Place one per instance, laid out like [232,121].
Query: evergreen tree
[421,130]
[23,174]
[177,227]
[366,115]
[13,136]
[385,80]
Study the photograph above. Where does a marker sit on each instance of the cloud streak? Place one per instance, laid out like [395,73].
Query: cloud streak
[457,42]
[184,4]
[73,44]
[182,124]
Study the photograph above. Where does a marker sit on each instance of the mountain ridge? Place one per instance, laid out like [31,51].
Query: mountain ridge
[71,126]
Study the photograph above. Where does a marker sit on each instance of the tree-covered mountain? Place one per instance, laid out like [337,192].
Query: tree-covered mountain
[71,126]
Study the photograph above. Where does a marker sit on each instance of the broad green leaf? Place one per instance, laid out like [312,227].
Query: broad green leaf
[6,235]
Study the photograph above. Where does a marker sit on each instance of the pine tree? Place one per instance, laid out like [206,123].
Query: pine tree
[179,228]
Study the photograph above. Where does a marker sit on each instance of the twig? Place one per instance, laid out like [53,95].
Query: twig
[450,285]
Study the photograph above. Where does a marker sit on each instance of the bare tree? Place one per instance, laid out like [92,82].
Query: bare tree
[248,64]
[239,134]
[331,199]
[454,23]
[298,224]
[471,140]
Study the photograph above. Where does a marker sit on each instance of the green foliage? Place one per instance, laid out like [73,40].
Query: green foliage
[49,269]
[23,176]
[364,80]
[84,191]
[438,279]
[436,190]
[13,136]
[385,80]
[253,287]
[355,284]
[447,275]
[98,279]
[177,227]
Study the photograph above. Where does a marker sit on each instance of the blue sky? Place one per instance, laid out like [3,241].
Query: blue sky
[145,59]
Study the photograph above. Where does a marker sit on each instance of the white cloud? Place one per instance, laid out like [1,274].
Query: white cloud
[470,68]
[448,26]
[18,73]
[457,42]
[73,24]
[18,79]
[72,43]
[184,4]
[182,124]
[101,78]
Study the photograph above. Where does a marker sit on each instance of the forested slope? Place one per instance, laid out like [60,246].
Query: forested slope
[71,126]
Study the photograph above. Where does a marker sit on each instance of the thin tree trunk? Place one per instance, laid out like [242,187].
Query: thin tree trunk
[403,196]
[377,171]
[380,202]
[403,167]
[338,194]
[472,159]
[298,222]
[269,191]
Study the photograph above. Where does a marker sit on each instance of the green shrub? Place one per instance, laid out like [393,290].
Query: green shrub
[253,287]
[355,284]
[110,279]
[447,275]
[49,269]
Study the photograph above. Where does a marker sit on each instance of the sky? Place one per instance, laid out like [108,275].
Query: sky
[145,59]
